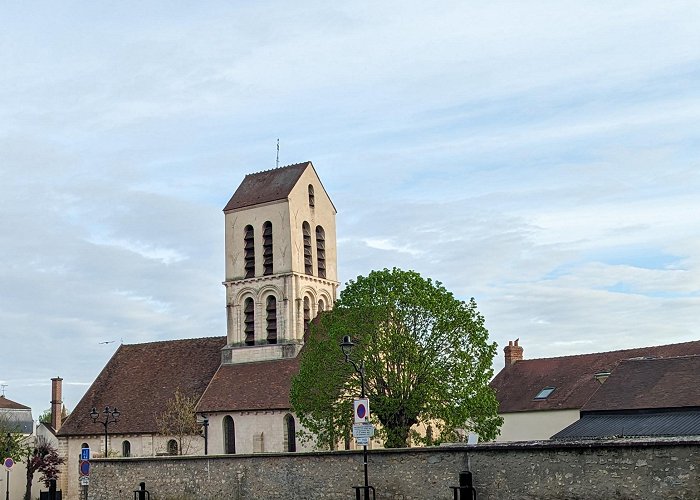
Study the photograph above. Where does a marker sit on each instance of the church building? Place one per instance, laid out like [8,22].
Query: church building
[280,272]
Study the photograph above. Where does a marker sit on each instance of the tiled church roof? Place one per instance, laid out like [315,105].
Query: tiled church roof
[263,385]
[8,404]
[266,186]
[572,377]
[141,378]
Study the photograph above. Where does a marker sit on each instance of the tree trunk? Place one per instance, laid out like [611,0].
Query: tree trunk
[30,479]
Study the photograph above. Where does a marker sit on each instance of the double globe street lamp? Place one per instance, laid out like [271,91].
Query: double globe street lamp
[110,416]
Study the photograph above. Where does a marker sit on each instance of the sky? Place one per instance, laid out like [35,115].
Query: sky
[541,157]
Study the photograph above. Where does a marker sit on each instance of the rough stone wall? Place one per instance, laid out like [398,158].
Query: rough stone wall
[534,470]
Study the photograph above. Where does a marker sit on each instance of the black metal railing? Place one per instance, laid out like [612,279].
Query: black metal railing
[465,490]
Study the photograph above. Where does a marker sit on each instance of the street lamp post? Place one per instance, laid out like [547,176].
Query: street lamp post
[346,346]
[110,416]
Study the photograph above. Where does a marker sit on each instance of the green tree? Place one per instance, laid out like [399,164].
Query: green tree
[427,359]
[12,442]
[180,420]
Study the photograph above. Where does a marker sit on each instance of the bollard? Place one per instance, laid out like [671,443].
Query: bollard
[142,493]
[52,489]
[465,490]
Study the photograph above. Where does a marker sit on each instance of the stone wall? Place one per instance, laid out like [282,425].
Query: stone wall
[542,470]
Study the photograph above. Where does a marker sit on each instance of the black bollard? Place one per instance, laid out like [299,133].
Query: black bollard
[52,489]
[142,493]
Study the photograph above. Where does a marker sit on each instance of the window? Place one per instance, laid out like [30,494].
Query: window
[312,200]
[249,252]
[308,262]
[307,317]
[321,251]
[544,393]
[249,321]
[271,309]
[172,447]
[126,449]
[229,436]
[85,445]
[321,307]
[267,248]
[290,433]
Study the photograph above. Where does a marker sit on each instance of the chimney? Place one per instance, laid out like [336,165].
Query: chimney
[513,352]
[56,402]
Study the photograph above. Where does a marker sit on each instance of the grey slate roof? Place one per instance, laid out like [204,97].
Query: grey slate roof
[647,424]
[17,414]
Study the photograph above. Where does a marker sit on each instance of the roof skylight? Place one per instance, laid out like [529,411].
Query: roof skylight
[544,393]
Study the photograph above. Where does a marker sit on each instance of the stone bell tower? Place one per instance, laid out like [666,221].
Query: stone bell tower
[280,262]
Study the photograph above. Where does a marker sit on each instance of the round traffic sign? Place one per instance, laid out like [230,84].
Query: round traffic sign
[8,463]
[361,411]
[84,468]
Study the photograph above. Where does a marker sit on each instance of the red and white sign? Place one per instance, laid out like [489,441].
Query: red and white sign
[361,407]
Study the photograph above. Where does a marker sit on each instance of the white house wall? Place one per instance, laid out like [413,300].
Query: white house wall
[535,425]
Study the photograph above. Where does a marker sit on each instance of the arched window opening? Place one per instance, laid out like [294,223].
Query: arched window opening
[85,445]
[308,260]
[267,248]
[321,251]
[126,449]
[229,436]
[321,306]
[271,309]
[172,447]
[307,317]
[249,321]
[290,433]
[312,200]
[249,252]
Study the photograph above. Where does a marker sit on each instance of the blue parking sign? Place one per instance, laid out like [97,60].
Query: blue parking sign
[85,454]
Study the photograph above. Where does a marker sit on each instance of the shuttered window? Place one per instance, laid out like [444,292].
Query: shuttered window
[249,252]
[321,251]
[307,317]
[267,248]
[249,321]
[312,199]
[271,309]
[308,259]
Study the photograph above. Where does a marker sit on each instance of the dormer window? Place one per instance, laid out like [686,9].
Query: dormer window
[312,201]
[544,393]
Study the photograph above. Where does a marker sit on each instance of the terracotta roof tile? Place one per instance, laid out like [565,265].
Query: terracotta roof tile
[645,384]
[251,386]
[572,376]
[141,378]
[266,186]
[11,405]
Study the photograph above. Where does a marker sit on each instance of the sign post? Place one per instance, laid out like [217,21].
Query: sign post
[8,463]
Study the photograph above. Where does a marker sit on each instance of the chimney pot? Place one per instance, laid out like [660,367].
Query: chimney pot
[56,402]
[513,352]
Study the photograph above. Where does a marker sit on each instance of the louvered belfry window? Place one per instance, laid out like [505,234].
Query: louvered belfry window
[321,251]
[308,260]
[267,248]
[249,252]
[312,199]
[307,317]
[271,309]
[249,321]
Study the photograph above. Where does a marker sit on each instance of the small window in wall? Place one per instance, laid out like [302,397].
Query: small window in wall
[229,436]
[307,317]
[290,433]
[126,449]
[249,321]
[544,393]
[267,248]
[312,200]
[321,251]
[85,445]
[321,306]
[172,447]
[308,259]
[271,309]
[249,252]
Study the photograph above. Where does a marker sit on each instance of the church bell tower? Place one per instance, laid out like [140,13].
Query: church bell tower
[280,262]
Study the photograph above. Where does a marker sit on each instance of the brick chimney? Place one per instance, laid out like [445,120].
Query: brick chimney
[513,352]
[56,402]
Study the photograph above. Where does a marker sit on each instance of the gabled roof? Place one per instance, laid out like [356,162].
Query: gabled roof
[141,378]
[11,405]
[263,385]
[266,186]
[645,384]
[572,377]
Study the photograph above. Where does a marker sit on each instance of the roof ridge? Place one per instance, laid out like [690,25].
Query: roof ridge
[608,352]
[280,168]
[175,340]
